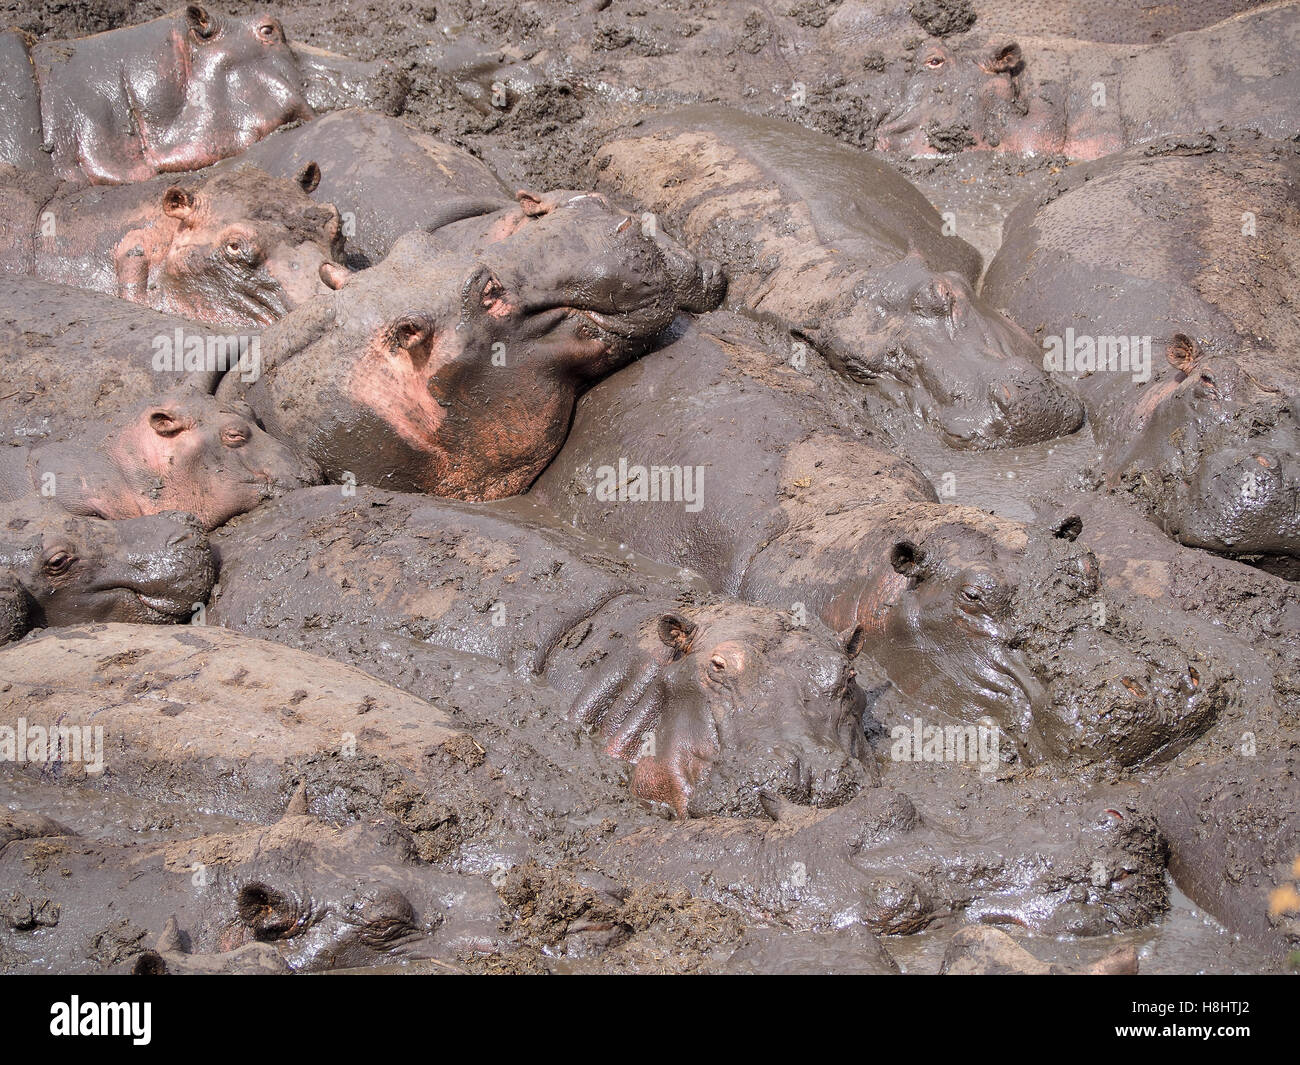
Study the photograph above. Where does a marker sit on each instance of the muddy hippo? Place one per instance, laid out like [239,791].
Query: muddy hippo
[237,249]
[1087,868]
[709,699]
[966,612]
[177,93]
[1083,99]
[1178,338]
[856,261]
[187,451]
[408,376]
[63,570]
[297,896]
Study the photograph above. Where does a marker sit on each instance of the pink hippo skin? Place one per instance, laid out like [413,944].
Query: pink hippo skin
[177,93]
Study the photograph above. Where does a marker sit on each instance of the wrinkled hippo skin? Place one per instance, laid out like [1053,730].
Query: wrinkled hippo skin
[1234,838]
[237,249]
[298,895]
[1041,96]
[966,612]
[710,700]
[1209,443]
[177,93]
[187,451]
[63,570]
[457,375]
[875,861]
[856,262]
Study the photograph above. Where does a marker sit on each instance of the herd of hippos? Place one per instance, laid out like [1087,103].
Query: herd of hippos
[313,430]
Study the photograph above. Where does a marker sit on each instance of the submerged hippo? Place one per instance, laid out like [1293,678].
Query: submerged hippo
[239,248]
[709,699]
[966,612]
[857,262]
[177,93]
[456,375]
[187,451]
[1180,341]
[63,570]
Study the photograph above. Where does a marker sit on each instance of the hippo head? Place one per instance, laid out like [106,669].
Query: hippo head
[72,570]
[995,620]
[1216,454]
[187,451]
[229,82]
[720,707]
[453,375]
[931,346]
[239,249]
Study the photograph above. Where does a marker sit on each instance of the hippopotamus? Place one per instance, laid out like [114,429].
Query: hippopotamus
[296,896]
[62,570]
[856,262]
[177,93]
[710,700]
[407,376]
[1010,92]
[964,611]
[186,451]
[1177,341]
[238,248]
[1086,868]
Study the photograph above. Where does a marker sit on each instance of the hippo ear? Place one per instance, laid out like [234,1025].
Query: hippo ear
[906,558]
[532,204]
[853,644]
[676,632]
[308,177]
[201,24]
[1182,352]
[335,275]
[178,203]
[165,422]
[1068,528]
[1004,59]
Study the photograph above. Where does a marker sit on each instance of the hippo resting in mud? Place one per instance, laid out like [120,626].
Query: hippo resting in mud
[174,94]
[966,612]
[1084,99]
[240,248]
[186,451]
[712,700]
[456,373]
[56,569]
[854,260]
[1180,338]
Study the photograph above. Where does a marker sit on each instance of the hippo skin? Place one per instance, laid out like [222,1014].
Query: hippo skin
[407,377]
[174,94]
[711,700]
[1209,444]
[61,570]
[965,611]
[236,249]
[855,262]
[186,451]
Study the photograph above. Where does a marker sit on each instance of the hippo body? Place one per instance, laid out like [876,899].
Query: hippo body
[1199,421]
[238,249]
[186,451]
[62,570]
[174,94]
[798,514]
[709,699]
[855,261]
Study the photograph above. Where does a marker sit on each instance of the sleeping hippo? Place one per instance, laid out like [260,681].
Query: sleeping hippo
[174,94]
[239,248]
[64,570]
[966,612]
[186,451]
[710,700]
[1176,339]
[409,376]
[858,262]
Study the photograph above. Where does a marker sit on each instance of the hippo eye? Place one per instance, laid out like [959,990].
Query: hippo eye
[269,30]
[1206,388]
[234,436]
[59,562]
[934,62]
[240,250]
[972,593]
